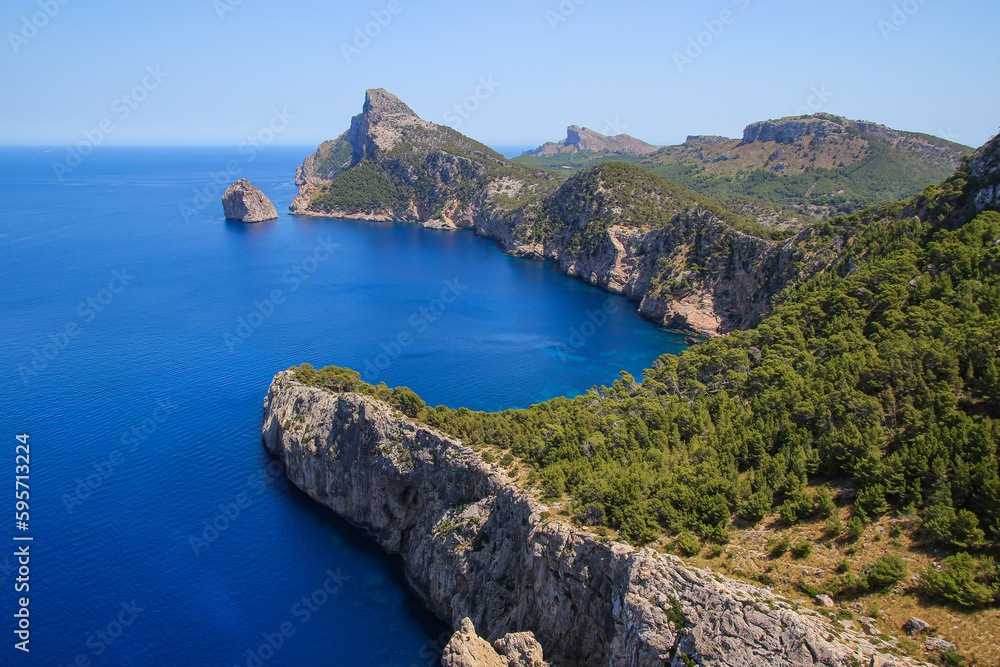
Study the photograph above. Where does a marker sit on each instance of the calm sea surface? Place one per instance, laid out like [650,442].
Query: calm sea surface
[139,334]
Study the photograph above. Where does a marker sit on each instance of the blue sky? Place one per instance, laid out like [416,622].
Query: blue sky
[656,70]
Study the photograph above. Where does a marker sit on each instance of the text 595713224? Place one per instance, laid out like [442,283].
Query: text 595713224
[22,548]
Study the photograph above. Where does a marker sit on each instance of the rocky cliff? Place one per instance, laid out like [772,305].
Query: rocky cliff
[245,203]
[583,139]
[477,547]
[821,125]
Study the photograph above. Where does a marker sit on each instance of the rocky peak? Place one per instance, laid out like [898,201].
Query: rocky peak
[468,649]
[573,133]
[378,128]
[787,130]
[380,104]
[584,139]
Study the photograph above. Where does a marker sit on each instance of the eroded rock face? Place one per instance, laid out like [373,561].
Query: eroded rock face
[515,649]
[245,203]
[467,649]
[475,546]
[787,130]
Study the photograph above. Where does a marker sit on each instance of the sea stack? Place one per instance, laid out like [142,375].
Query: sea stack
[245,203]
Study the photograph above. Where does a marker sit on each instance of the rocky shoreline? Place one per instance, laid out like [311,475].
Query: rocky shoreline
[475,546]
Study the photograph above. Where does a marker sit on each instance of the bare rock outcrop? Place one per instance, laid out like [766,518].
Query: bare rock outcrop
[584,139]
[788,130]
[515,649]
[245,203]
[475,546]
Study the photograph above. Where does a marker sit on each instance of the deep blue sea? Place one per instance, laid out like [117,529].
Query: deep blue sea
[138,336]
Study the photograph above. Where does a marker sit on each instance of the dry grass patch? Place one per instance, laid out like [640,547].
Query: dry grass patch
[748,557]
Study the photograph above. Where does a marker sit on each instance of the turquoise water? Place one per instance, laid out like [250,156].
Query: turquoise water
[139,335]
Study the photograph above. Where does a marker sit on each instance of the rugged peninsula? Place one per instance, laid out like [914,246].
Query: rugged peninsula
[844,448]
[688,262]
[475,546]
[243,202]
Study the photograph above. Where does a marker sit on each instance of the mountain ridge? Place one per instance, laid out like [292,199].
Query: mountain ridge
[582,139]
[823,164]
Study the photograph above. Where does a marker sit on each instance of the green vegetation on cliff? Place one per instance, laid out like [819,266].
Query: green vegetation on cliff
[882,372]
[624,194]
[363,187]
[393,163]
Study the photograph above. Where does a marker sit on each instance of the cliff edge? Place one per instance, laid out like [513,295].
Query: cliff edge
[477,547]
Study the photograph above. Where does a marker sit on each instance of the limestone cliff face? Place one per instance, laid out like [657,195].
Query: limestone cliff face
[245,203]
[787,130]
[820,125]
[731,288]
[475,546]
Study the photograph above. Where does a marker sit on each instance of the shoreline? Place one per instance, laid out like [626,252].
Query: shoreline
[698,336]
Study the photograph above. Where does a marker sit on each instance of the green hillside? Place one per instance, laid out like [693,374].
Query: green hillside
[847,166]
[881,374]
